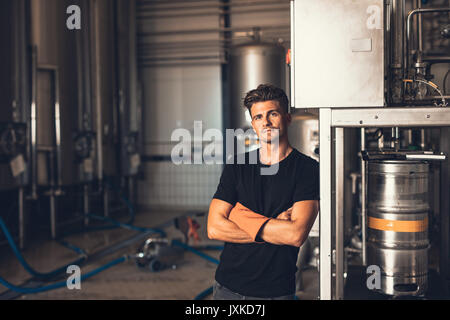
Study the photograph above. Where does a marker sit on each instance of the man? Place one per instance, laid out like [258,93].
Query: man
[264,219]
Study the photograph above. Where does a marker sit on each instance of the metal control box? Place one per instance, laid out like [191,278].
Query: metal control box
[338,53]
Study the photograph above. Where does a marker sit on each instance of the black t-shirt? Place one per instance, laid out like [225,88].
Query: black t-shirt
[264,269]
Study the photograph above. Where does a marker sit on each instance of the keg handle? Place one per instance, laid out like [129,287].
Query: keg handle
[407,288]
[425,155]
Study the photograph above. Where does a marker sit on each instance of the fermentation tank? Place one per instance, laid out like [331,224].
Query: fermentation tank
[252,64]
[304,134]
[398,209]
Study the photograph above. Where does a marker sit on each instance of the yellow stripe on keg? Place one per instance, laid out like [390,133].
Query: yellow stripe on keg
[398,225]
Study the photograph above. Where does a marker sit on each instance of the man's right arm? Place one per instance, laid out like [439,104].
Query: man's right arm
[220,228]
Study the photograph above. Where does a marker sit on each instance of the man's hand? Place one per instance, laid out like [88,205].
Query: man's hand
[285,215]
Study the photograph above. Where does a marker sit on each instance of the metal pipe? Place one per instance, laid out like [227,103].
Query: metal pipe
[339,205]
[86,204]
[422,139]
[436,59]
[53,214]
[397,139]
[97,93]
[105,202]
[363,200]
[58,130]
[325,266]
[398,29]
[80,93]
[21,219]
[292,65]
[408,28]
[409,135]
[419,27]
[87,75]
[33,123]
[134,122]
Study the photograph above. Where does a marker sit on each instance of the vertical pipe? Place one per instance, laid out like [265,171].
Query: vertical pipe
[339,198]
[53,214]
[363,199]
[97,93]
[21,218]
[422,139]
[292,84]
[87,75]
[419,28]
[398,29]
[409,133]
[86,204]
[33,123]
[325,266]
[397,139]
[132,57]
[58,130]
[105,202]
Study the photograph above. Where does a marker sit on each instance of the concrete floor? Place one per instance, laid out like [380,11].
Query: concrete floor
[126,281]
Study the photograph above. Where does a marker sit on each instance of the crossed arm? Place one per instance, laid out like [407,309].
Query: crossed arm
[289,228]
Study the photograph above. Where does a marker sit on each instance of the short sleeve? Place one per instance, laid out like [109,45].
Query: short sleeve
[226,190]
[307,184]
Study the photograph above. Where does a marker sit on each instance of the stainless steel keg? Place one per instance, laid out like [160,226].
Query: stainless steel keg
[398,225]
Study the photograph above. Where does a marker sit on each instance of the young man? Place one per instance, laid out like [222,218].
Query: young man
[264,219]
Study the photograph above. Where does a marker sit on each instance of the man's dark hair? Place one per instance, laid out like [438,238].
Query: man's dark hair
[266,92]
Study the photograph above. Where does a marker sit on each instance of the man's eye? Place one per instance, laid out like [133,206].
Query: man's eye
[274,114]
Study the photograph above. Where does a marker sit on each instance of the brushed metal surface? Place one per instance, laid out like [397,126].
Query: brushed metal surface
[328,73]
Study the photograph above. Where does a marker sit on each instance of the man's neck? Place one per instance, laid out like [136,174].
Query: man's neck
[273,153]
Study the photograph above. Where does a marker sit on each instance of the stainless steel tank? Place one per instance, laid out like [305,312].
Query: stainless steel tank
[304,134]
[398,225]
[252,64]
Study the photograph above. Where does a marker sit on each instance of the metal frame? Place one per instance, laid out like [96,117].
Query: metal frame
[331,122]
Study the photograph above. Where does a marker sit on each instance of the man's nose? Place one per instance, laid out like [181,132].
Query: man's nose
[267,122]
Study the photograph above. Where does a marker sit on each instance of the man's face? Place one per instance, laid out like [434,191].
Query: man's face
[267,116]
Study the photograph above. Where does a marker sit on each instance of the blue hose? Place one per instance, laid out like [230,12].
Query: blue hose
[126,226]
[26,265]
[199,253]
[204,294]
[62,283]
[51,274]
[72,247]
